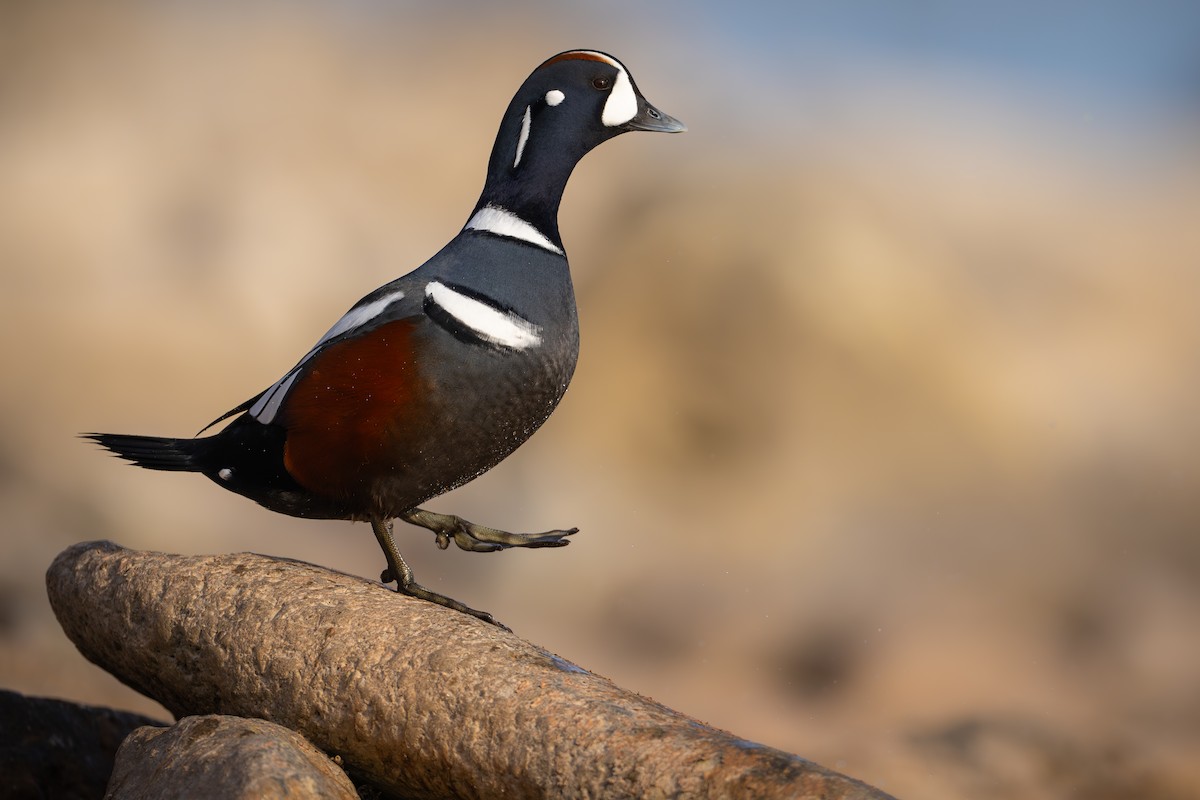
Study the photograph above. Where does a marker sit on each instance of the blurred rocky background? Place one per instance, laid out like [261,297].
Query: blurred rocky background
[884,441]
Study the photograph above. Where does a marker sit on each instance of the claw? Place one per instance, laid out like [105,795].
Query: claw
[467,542]
[399,571]
[480,538]
[505,539]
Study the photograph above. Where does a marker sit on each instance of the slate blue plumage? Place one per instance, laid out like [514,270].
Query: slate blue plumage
[436,377]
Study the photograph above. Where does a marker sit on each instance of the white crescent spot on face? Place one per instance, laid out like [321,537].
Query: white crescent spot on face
[554,97]
[495,325]
[524,137]
[621,105]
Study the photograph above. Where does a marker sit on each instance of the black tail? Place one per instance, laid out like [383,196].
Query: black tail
[152,452]
[246,457]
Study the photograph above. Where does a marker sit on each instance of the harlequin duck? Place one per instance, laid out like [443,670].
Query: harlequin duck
[436,377]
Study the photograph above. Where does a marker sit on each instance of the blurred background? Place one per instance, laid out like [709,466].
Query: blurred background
[884,440]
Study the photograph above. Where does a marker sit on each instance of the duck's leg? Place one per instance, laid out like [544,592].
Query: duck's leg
[480,538]
[399,571]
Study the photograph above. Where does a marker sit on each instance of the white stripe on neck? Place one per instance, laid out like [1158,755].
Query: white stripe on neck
[523,138]
[495,325]
[503,222]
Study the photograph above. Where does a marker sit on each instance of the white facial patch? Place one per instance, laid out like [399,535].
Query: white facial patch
[503,222]
[266,408]
[554,97]
[523,137]
[495,325]
[622,104]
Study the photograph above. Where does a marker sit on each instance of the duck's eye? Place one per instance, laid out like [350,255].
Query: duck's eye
[601,83]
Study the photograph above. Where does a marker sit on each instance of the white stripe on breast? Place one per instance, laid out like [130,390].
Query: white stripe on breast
[503,222]
[495,325]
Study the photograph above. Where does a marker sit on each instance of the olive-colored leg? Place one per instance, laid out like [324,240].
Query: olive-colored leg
[480,538]
[399,571]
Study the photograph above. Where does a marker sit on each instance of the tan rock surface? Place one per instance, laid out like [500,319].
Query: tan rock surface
[420,700]
[227,757]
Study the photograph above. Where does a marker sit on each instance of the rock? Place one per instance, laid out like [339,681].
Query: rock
[227,757]
[52,748]
[419,700]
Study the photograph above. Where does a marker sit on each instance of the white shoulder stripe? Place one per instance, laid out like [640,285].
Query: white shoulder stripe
[503,222]
[494,325]
[359,315]
[267,406]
